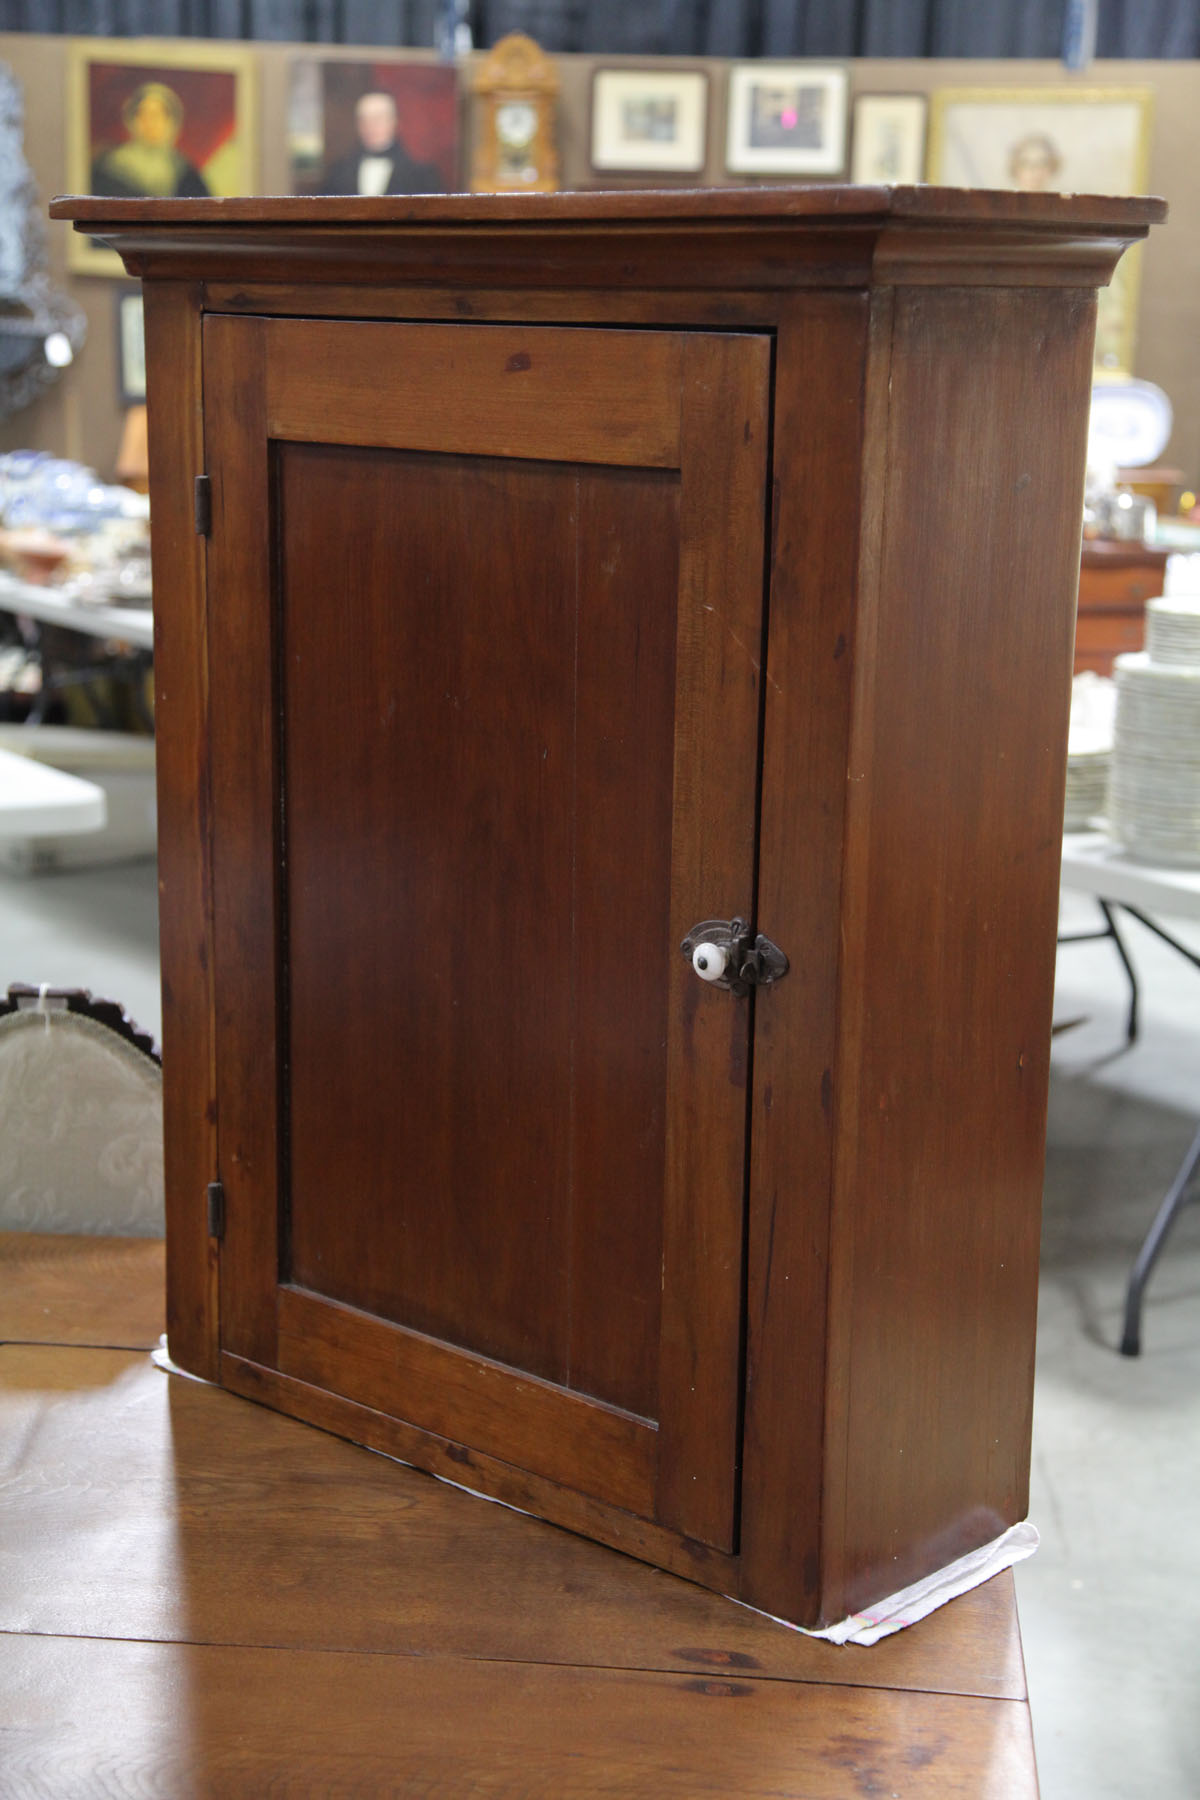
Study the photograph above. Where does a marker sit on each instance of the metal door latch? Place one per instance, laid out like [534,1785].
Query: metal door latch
[723,952]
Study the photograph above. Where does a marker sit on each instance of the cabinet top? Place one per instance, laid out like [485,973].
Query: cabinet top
[808,204]
[766,236]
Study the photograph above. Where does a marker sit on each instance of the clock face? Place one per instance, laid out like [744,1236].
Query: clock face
[516,124]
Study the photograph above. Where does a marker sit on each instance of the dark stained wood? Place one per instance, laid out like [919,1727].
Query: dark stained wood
[910,369]
[182,758]
[954,811]
[245,898]
[625,724]
[1077,213]
[505,973]
[140,1505]
[537,1425]
[805,237]
[102,1291]
[363,384]
[431,1153]
[283,1721]
[820,371]
[514,1078]
[718,697]
[725,310]
[483,1474]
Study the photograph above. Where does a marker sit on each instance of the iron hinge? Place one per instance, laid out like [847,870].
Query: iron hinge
[202,500]
[216,1210]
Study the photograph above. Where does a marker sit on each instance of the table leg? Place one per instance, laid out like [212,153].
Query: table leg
[1110,931]
[1156,1237]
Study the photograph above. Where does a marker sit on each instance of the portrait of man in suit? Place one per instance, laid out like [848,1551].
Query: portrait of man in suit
[383,127]
[380,163]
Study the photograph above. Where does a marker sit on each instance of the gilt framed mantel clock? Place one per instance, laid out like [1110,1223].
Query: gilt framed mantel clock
[517,96]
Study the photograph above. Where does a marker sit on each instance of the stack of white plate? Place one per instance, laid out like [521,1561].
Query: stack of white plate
[1089,750]
[1154,790]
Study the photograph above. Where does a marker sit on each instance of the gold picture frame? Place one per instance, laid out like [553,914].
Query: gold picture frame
[159,117]
[1065,140]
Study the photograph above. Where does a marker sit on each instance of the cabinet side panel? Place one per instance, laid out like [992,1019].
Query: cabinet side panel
[181,728]
[953,842]
[819,402]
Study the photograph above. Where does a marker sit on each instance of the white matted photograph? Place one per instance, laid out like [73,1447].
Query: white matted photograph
[786,119]
[888,146]
[648,120]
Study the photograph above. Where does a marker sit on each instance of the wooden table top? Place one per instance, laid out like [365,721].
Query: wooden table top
[202,1597]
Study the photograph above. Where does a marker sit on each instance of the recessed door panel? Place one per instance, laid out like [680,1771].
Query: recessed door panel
[480,882]
[482,1131]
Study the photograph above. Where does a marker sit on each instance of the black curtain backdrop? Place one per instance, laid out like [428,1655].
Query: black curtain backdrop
[968,28]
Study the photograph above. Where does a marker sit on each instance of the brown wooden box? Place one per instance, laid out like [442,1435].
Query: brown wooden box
[582,568]
[1115,582]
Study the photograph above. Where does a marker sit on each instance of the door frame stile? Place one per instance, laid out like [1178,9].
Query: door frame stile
[724,438]
[245,744]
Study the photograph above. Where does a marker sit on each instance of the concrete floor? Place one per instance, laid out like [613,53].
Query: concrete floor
[1110,1605]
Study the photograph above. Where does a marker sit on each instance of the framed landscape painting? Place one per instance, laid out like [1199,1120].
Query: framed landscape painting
[159,119]
[649,121]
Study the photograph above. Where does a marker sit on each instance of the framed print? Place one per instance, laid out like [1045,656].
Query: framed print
[160,119]
[384,127]
[786,119]
[649,121]
[131,346]
[1053,140]
[888,146]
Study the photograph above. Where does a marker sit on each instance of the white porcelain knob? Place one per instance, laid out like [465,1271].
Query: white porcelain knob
[709,961]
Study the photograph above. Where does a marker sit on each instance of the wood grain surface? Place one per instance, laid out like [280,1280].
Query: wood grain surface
[494,389]
[502,1111]
[245,897]
[202,1598]
[909,370]
[183,768]
[807,202]
[141,1505]
[104,1291]
[195,1723]
[820,367]
[957,763]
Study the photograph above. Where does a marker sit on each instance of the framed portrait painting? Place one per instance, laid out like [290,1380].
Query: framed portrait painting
[383,127]
[786,119]
[1053,140]
[168,120]
[649,121]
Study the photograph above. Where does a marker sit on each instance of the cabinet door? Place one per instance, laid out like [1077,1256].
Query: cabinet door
[485,637]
